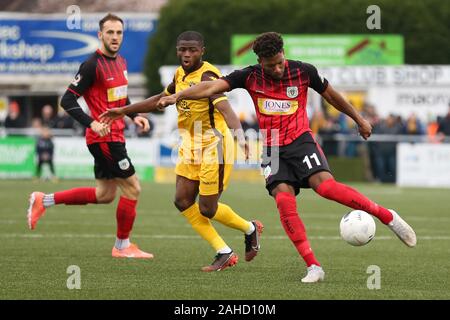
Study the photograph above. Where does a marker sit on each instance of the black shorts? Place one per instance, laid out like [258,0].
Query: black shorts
[111,160]
[294,163]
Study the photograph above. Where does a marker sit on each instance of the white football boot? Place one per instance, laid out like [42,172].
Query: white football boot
[402,230]
[315,274]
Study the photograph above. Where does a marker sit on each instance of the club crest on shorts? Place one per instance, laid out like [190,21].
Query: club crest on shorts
[292,92]
[124,164]
[267,172]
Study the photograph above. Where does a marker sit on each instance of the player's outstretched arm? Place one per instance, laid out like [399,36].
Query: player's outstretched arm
[201,90]
[146,105]
[337,100]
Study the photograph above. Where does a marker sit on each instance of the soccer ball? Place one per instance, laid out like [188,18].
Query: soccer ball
[357,228]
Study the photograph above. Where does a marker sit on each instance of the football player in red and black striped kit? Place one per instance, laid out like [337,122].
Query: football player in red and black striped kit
[102,82]
[292,159]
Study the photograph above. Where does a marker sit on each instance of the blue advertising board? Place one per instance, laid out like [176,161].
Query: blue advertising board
[54,44]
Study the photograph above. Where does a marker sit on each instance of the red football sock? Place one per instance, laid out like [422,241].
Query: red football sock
[77,196]
[349,197]
[293,226]
[125,215]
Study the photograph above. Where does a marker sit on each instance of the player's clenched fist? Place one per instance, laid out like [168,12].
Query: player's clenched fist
[166,101]
[142,122]
[364,128]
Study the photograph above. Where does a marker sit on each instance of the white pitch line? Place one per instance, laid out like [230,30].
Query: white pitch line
[184,237]
[309,215]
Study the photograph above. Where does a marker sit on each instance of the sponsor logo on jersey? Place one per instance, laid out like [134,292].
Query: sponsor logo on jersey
[117,93]
[277,107]
[292,92]
[124,164]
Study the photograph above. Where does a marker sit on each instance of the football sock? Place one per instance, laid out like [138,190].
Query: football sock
[250,229]
[333,190]
[122,243]
[293,226]
[49,200]
[77,196]
[203,227]
[125,215]
[226,216]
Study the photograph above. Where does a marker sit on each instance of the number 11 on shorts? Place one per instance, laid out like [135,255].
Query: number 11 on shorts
[308,162]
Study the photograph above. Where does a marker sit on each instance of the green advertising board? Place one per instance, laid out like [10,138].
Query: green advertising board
[17,157]
[328,50]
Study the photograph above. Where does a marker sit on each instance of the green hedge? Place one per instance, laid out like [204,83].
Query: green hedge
[347,169]
[424,25]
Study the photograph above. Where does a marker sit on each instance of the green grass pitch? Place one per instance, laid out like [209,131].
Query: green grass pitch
[33,264]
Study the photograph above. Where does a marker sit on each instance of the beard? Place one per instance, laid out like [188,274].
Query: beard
[110,50]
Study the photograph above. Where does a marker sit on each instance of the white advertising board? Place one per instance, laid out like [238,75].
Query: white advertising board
[423,165]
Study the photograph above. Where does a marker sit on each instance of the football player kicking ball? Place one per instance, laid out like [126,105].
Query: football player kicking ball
[205,157]
[292,159]
[102,82]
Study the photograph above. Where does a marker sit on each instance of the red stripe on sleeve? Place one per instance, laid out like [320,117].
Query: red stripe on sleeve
[73,92]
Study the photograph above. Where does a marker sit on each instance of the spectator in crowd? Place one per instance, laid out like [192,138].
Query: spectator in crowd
[329,127]
[346,126]
[444,126]
[251,124]
[44,151]
[432,130]
[14,119]
[62,120]
[371,114]
[36,123]
[413,126]
[47,116]
[243,121]
[385,153]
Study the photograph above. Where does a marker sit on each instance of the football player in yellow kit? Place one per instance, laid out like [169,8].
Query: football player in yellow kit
[205,157]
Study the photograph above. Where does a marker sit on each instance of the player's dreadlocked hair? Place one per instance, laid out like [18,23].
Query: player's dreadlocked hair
[268,44]
[191,35]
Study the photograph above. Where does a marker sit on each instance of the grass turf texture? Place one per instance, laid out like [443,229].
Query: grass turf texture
[33,264]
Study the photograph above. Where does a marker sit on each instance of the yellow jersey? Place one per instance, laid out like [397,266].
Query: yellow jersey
[199,122]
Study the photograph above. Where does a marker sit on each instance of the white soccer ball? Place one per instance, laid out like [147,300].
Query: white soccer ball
[357,228]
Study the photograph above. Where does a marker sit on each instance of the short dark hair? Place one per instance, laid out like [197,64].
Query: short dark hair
[191,35]
[268,44]
[109,17]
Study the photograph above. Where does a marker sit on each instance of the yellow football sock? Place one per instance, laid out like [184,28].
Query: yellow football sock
[228,217]
[204,227]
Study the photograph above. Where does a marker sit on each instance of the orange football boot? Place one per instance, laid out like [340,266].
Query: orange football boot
[131,252]
[36,209]
[221,262]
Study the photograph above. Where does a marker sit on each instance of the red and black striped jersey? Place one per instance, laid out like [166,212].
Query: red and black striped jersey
[280,104]
[103,83]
